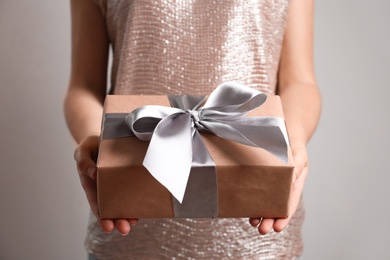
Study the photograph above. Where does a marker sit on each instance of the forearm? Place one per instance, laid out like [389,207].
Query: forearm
[297,85]
[302,106]
[83,113]
[83,104]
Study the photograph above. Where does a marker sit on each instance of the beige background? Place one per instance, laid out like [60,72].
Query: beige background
[43,211]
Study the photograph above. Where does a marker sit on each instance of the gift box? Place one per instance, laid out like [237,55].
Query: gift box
[231,179]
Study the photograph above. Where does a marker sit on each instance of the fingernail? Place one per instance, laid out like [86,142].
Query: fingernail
[90,171]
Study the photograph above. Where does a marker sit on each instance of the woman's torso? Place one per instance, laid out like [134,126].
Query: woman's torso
[190,47]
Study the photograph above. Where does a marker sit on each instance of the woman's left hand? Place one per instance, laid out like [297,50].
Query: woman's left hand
[265,225]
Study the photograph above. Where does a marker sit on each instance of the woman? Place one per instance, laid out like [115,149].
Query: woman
[190,47]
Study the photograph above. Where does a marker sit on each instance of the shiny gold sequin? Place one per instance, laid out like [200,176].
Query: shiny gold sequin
[190,47]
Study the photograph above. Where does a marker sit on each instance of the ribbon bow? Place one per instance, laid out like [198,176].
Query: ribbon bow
[175,143]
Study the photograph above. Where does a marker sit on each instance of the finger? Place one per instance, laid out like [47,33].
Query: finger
[107,225]
[122,225]
[300,160]
[266,225]
[85,156]
[133,221]
[254,222]
[281,224]
[85,163]
[299,183]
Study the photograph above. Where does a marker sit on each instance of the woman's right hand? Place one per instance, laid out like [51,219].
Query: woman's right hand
[85,156]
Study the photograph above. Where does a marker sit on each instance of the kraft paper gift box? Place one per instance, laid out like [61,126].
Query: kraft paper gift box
[250,181]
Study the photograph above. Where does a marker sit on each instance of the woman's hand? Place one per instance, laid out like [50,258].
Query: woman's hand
[85,156]
[300,173]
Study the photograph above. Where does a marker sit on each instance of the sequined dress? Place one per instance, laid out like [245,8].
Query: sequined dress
[191,46]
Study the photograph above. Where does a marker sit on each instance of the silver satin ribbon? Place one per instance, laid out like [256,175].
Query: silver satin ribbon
[176,147]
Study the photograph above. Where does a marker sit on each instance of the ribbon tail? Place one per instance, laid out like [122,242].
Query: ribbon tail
[268,133]
[201,196]
[169,155]
[270,138]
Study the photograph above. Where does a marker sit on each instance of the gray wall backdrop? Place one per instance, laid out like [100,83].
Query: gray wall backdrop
[43,213]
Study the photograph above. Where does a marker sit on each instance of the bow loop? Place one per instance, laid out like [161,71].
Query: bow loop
[231,97]
[142,121]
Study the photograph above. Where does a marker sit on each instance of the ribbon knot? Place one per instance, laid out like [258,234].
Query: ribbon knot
[175,143]
[195,118]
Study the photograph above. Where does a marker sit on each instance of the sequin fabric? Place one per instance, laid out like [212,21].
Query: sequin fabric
[190,47]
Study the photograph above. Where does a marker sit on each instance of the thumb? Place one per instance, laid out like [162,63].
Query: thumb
[300,158]
[85,156]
